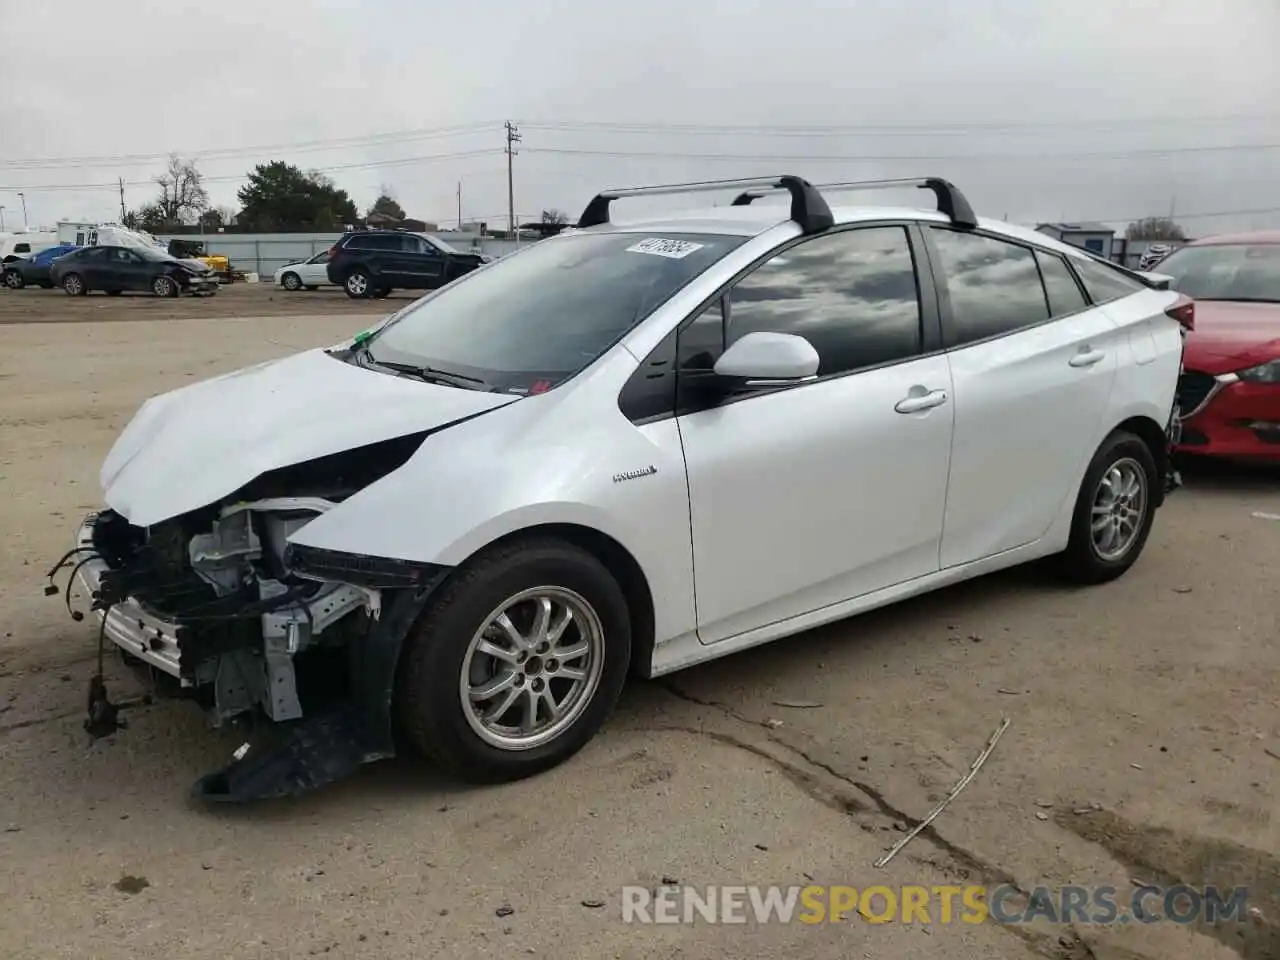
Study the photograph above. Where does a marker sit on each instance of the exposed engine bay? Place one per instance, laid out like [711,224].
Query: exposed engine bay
[219,607]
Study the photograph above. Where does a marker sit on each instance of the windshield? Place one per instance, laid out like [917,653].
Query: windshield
[1246,272]
[154,254]
[535,318]
[435,241]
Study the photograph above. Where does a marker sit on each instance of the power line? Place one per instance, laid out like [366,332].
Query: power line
[371,164]
[869,158]
[132,159]
[694,129]
[825,130]
[1111,217]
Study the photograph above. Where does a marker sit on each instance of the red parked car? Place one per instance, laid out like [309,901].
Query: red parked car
[1230,390]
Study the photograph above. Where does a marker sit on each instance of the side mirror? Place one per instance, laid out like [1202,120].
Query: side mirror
[769,360]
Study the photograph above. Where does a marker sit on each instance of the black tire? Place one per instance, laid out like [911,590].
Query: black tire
[14,280]
[164,286]
[428,696]
[1082,561]
[358,284]
[114,293]
[74,285]
[291,282]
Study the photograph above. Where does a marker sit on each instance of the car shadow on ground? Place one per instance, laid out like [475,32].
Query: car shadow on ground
[1227,476]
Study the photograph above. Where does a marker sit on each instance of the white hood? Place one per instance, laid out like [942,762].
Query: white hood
[192,447]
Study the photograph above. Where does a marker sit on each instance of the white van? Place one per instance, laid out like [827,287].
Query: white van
[16,246]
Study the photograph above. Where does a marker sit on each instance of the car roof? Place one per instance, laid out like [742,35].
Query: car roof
[1263,237]
[757,218]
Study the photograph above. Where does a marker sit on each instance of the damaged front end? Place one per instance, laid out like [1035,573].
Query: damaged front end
[219,607]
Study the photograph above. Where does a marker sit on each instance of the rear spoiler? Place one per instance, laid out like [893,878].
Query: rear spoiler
[1154,281]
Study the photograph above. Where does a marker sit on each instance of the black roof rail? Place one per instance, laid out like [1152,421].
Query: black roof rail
[950,200]
[808,208]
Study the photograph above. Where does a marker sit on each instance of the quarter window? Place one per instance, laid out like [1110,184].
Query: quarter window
[1064,293]
[1104,282]
[994,287]
[851,294]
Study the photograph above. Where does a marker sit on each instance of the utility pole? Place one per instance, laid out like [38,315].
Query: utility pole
[513,137]
[459,206]
[122,211]
[23,198]
[1,219]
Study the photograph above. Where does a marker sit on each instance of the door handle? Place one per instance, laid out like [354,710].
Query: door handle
[924,401]
[1087,357]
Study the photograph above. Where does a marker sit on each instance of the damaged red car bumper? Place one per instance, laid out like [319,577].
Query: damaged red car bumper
[1225,416]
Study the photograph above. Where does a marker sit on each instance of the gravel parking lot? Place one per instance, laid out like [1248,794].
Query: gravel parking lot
[1144,742]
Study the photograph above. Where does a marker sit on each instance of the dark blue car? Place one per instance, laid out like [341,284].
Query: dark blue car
[34,269]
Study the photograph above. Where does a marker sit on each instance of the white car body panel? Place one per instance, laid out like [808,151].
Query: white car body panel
[311,274]
[189,448]
[750,521]
[548,459]
[778,482]
[1026,426]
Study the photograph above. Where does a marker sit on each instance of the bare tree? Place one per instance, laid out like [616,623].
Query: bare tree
[1154,228]
[182,195]
[556,217]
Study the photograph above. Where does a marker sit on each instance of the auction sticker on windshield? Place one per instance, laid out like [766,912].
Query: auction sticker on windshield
[660,247]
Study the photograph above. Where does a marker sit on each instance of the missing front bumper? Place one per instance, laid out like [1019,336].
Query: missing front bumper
[289,757]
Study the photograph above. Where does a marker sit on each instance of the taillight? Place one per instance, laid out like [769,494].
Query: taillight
[1184,311]
[333,250]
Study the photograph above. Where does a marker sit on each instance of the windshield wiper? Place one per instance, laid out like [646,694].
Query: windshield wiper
[431,374]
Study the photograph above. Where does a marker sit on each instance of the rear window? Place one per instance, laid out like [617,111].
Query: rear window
[1104,282]
[1246,272]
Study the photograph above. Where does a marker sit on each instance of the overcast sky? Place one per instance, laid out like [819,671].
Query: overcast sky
[1038,109]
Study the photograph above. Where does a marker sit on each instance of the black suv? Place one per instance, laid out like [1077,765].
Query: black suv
[372,263]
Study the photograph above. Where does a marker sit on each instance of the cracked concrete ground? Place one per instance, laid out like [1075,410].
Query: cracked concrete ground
[1148,704]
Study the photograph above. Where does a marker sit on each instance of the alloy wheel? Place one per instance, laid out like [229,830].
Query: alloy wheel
[1119,503]
[532,668]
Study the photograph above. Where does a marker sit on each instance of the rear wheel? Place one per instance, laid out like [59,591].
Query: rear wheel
[74,285]
[517,662]
[1114,511]
[14,280]
[358,284]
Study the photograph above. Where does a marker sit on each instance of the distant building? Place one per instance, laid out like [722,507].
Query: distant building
[1097,238]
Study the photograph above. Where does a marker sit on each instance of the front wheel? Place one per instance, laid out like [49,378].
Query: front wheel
[516,663]
[358,284]
[164,287]
[291,282]
[1114,511]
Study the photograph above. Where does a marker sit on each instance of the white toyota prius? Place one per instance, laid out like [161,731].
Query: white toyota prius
[631,447]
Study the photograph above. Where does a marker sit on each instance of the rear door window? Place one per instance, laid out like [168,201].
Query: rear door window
[993,286]
[1060,284]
